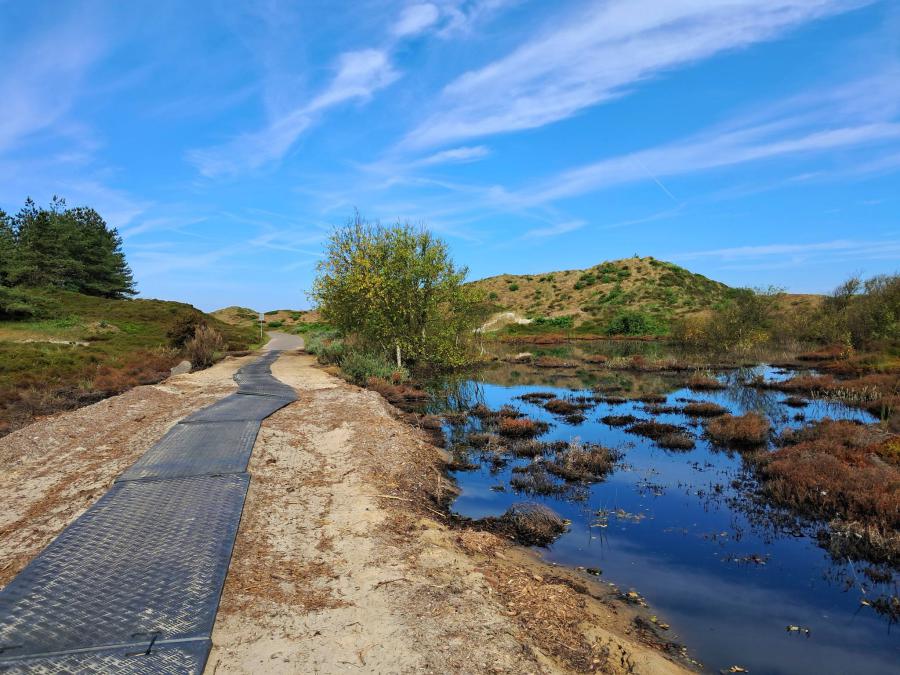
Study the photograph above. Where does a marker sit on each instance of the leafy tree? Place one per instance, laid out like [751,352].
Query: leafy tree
[396,290]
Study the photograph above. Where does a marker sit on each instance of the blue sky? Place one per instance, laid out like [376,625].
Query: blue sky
[754,141]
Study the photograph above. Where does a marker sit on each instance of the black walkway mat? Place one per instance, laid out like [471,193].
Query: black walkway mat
[179,658]
[239,407]
[197,449]
[147,561]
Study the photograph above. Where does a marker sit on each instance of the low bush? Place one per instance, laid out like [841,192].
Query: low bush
[559,406]
[744,431]
[700,382]
[205,348]
[704,409]
[523,427]
[533,524]
[359,367]
[634,322]
[678,440]
[839,469]
[586,462]
[654,430]
[619,420]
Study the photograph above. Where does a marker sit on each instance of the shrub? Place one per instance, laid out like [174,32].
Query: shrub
[634,323]
[275,324]
[619,420]
[523,427]
[676,441]
[533,524]
[704,383]
[704,409]
[360,366]
[583,462]
[513,287]
[654,430]
[185,328]
[838,469]
[205,347]
[746,431]
[559,406]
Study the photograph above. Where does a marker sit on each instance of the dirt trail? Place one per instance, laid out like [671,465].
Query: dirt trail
[339,564]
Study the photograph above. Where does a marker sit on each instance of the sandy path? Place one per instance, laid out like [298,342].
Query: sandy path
[329,577]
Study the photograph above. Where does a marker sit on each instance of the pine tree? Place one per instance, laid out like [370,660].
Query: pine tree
[7,246]
[71,249]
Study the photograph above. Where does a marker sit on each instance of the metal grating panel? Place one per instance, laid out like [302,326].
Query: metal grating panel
[239,407]
[197,450]
[149,558]
[181,658]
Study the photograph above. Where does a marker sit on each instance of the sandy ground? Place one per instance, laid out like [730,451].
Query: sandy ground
[341,564]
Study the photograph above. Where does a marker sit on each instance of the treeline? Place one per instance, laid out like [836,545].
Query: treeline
[860,313]
[64,248]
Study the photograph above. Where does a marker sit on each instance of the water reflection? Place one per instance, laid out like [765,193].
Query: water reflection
[678,526]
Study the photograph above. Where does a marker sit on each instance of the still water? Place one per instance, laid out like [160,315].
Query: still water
[679,528]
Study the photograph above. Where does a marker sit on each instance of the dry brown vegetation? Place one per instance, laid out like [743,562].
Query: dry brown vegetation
[618,420]
[652,429]
[532,524]
[523,427]
[839,470]
[586,462]
[704,383]
[704,409]
[559,406]
[676,441]
[744,431]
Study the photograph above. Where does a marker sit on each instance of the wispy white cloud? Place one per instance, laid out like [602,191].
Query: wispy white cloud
[415,19]
[461,155]
[842,247]
[699,155]
[555,230]
[42,80]
[597,54]
[359,75]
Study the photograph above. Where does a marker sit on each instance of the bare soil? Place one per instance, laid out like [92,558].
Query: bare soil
[344,560]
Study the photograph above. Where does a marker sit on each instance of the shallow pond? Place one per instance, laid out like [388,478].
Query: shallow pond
[678,526]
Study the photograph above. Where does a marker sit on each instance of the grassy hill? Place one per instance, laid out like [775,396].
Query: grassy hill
[76,349]
[592,297]
[276,319]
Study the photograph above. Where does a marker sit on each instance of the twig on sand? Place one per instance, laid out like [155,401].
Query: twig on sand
[407,499]
[389,581]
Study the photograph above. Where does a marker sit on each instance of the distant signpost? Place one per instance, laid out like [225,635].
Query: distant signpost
[262,320]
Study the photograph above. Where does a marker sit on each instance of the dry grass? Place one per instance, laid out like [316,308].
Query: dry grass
[584,462]
[700,382]
[618,420]
[676,441]
[533,524]
[523,427]
[559,406]
[704,409]
[838,469]
[537,397]
[653,430]
[744,431]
